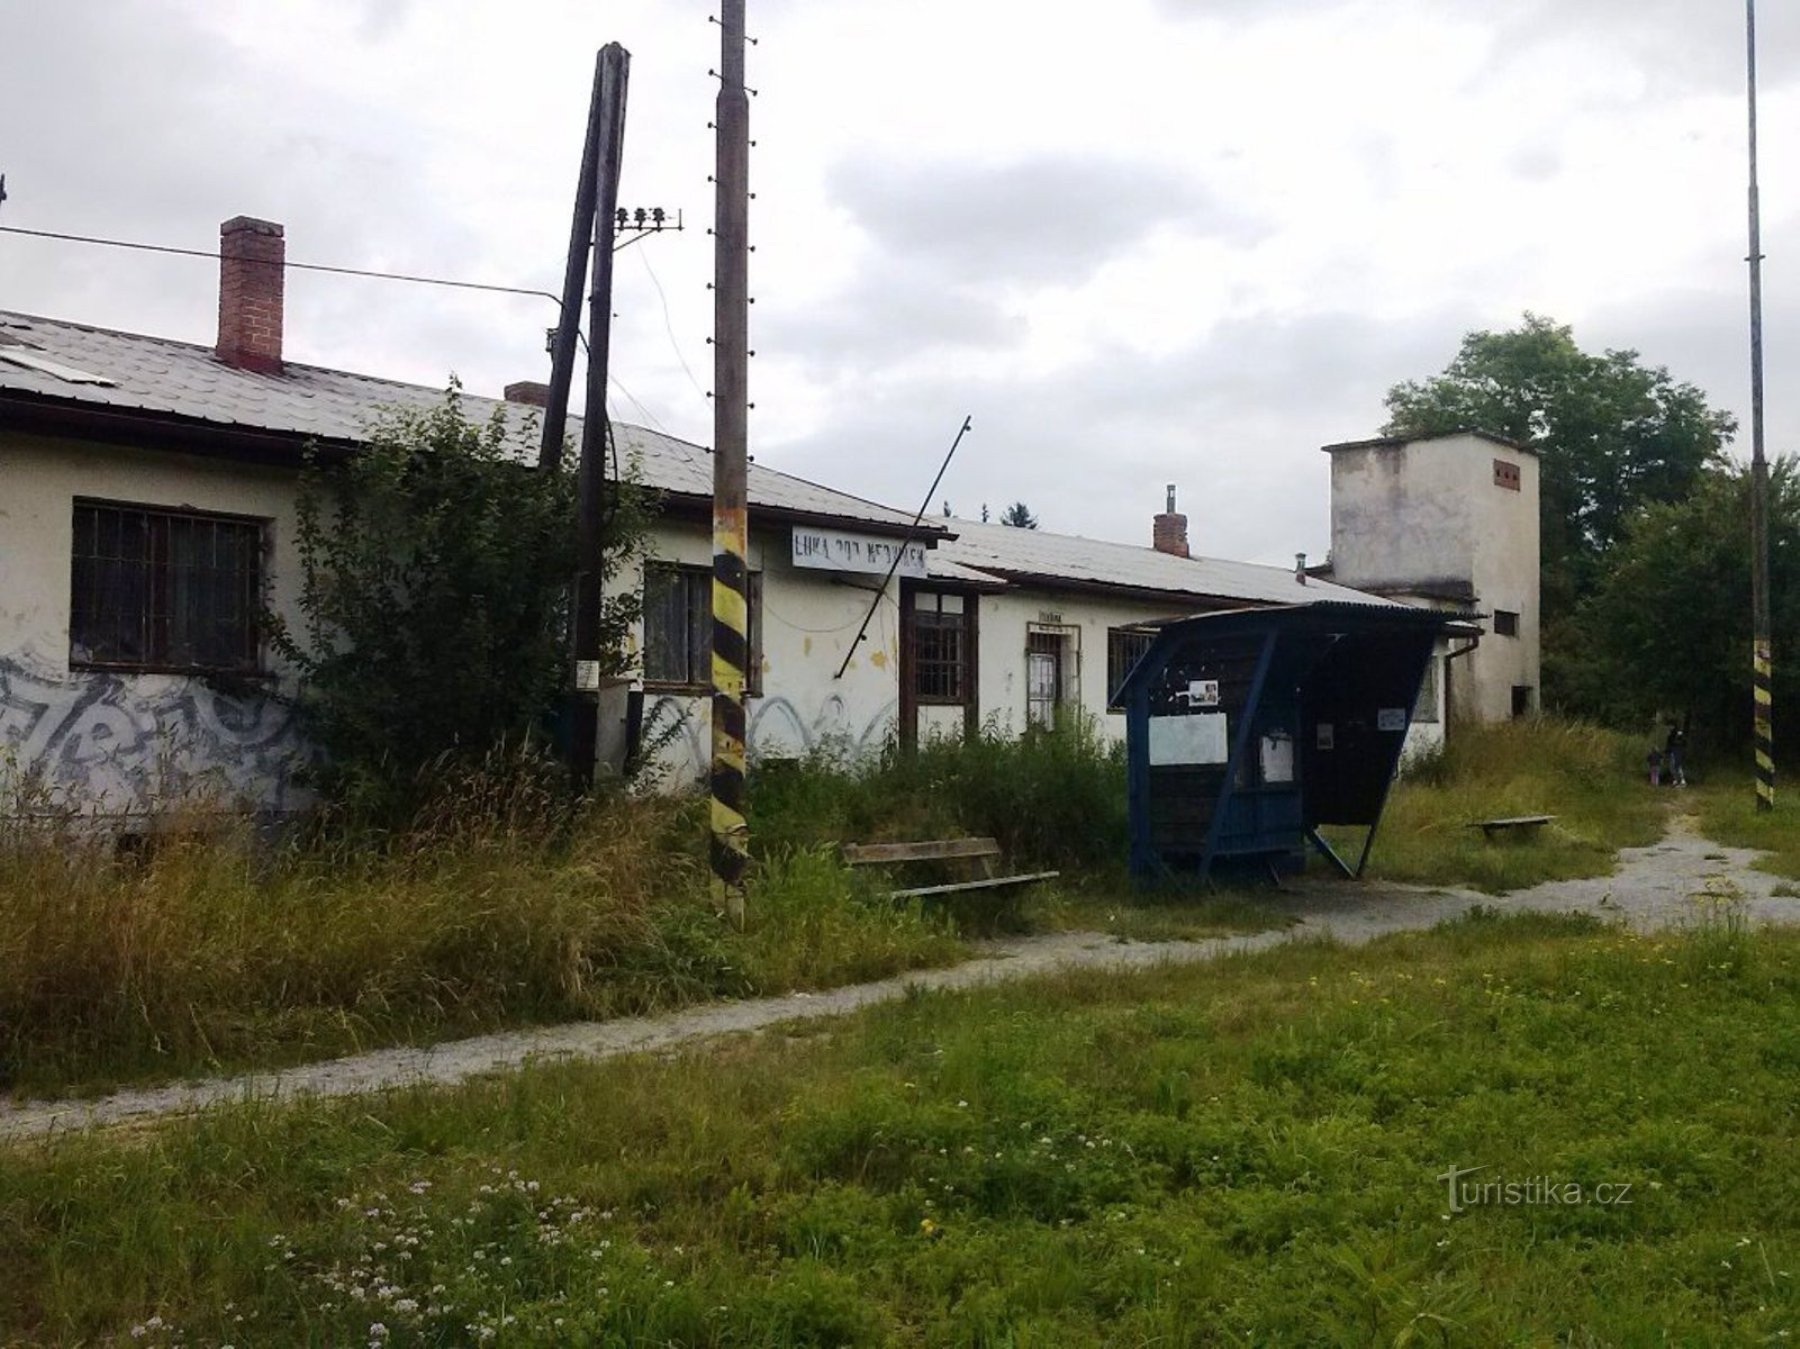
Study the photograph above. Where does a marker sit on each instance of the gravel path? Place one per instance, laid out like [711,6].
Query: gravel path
[1651,887]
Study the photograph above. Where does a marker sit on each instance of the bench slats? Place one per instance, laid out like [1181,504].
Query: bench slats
[1512,822]
[991,883]
[936,850]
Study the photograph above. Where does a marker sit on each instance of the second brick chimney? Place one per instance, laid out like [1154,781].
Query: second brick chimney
[1171,530]
[252,258]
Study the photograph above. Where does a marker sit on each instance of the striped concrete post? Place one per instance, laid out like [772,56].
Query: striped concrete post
[730,841]
[1765,733]
[730,660]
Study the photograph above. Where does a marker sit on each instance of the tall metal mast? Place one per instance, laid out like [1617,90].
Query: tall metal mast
[1761,656]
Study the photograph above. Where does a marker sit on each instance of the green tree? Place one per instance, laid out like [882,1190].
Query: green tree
[1019,516]
[434,569]
[1612,435]
[1668,625]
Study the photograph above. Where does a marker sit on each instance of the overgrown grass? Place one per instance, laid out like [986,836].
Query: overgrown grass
[1253,1152]
[1052,797]
[1589,778]
[211,953]
[1728,815]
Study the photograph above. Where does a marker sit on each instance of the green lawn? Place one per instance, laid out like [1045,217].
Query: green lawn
[1248,1151]
[1588,778]
[1728,814]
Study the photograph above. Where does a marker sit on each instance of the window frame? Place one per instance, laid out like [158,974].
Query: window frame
[1506,623]
[1114,641]
[961,665]
[700,662]
[159,581]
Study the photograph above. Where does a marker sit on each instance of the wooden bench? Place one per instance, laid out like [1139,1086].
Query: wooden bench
[979,850]
[1526,824]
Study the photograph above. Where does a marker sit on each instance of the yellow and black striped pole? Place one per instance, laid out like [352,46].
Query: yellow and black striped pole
[1765,731]
[1761,677]
[731,359]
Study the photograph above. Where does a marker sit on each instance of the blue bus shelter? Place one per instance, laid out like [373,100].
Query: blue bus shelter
[1247,730]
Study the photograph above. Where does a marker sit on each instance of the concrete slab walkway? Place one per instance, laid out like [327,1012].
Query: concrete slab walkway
[1651,887]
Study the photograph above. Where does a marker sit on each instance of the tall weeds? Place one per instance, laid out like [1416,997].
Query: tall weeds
[502,904]
[1054,796]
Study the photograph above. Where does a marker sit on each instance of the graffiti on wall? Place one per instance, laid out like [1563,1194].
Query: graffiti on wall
[131,744]
[777,729]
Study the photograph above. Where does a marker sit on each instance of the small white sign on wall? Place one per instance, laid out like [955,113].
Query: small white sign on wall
[1391,719]
[1199,739]
[1277,758]
[833,550]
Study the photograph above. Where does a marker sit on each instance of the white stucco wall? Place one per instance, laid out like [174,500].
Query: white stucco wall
[1007,619]
[1506,574]
[809,620]
[120,743]
[1428,513]
[1401,515]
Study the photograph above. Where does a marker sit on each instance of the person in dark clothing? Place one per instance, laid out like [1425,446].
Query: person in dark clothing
[1672,757]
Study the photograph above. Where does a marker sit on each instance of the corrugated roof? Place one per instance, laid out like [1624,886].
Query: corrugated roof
[1036,554]
[155,376]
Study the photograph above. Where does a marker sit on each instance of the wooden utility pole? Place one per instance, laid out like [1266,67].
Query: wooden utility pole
[568,326]
[609,142]
[1761,667]
[731,379]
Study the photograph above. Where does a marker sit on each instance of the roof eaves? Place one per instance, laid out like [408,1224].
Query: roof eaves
[1394,442]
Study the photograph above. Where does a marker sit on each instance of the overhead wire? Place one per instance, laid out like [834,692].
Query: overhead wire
[289,265]
[669,326]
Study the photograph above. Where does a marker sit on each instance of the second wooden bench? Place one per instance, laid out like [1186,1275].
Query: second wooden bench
[980,851]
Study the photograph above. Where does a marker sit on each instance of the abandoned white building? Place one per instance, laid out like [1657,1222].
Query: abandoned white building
[1448,522]
[148,491]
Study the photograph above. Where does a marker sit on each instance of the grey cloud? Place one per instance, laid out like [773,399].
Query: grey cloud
[1037,220]
[1682,46]
[894,308]
[1235,420]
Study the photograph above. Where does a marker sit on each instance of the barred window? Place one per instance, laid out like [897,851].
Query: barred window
[678,628]
[940,648]
[167,590]
[1124,647]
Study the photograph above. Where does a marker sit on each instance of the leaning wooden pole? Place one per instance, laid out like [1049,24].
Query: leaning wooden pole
[731,360]
[615,66]
[1761,656]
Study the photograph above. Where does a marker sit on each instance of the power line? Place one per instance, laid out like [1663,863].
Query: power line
[295,266]
[669,326]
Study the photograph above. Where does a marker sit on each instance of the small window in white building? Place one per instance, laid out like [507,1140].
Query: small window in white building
[1124,648]
[154,589]
[678,629]
[940,644]
[1506,623]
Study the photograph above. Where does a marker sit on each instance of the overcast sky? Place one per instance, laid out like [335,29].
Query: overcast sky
[1140,242]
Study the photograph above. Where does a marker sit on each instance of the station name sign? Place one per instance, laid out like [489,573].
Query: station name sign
[830,550]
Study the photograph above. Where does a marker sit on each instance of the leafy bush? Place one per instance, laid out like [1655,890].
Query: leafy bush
[434,570]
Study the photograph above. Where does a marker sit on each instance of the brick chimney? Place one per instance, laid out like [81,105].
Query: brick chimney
[252,254]
[529,392]
[1171,530]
